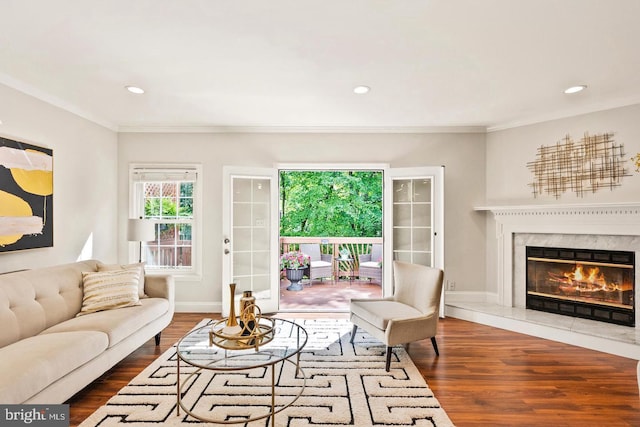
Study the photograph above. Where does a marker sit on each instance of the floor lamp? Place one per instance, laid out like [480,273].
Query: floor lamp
[141,230]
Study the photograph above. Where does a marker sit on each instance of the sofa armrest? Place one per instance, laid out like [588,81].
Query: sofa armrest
[160,286]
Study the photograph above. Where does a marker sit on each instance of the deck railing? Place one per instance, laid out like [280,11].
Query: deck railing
[333,245]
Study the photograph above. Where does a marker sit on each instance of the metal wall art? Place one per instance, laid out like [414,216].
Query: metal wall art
[26,196]
[592,163]
[636,162]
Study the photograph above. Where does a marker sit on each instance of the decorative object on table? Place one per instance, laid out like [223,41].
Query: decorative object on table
[26,196]
[247,312]
[252,331]
[294,263]
[345,254]
[232,327]
[260,333]
[140,230]
[595,162]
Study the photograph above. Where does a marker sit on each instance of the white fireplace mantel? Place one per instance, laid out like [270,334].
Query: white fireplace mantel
[582,219]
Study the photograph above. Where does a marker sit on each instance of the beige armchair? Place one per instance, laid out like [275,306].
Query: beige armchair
[411,314]
[370,264]
[320,266]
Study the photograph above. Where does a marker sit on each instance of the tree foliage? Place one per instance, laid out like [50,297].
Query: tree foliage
[331,203]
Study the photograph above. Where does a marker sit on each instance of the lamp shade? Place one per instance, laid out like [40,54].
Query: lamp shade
[141,230]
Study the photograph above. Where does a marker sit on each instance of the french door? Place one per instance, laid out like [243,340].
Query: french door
[250,236]
[414,223]
[412,215]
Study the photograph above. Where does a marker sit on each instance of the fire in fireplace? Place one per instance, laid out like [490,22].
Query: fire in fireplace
[593,284]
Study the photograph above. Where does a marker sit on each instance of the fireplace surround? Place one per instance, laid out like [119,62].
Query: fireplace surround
[589,283]
[510,229]
[613,226]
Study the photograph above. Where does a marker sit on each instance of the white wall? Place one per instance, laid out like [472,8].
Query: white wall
[508,152]
[462,154]
[84,180]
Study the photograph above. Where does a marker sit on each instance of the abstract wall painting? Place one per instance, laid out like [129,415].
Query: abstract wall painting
[588,165]
[26,196]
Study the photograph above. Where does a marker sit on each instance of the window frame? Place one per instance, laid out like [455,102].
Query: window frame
[136,209]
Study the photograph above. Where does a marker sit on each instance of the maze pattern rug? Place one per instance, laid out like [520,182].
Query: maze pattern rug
[346,385]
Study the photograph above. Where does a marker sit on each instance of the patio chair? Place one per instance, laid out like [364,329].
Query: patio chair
[411,314]
[371,264]
[320,266]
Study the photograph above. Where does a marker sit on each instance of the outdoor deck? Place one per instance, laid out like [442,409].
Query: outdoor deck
[327,295]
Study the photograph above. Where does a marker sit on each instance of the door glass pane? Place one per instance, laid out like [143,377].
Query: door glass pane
[413,220]
[402,214]
[251,236]
[421,214]
[401,190]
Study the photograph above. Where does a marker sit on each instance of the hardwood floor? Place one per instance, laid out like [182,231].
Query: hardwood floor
[483,377]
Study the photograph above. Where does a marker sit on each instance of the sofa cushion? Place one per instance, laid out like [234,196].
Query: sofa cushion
[33,300]
[30,365]
[108,290]
[117,324]
[139,266]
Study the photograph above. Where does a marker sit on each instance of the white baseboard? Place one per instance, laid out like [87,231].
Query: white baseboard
[198,307]
[467,296]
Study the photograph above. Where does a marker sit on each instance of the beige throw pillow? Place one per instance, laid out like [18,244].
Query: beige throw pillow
[137,266]
[107,290]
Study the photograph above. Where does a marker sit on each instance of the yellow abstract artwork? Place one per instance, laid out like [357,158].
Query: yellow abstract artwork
[26,196]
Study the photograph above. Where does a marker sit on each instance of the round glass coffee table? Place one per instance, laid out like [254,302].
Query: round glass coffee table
[196,354]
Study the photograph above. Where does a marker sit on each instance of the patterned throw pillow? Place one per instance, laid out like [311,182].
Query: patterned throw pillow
[138,266]
[107,290]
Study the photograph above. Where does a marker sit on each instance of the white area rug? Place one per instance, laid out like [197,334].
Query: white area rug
[346,386]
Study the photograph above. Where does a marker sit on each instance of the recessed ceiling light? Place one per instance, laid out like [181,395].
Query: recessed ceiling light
[575,89]
[360,90]
[134,89]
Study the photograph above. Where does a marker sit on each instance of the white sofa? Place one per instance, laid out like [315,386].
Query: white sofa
[47,354]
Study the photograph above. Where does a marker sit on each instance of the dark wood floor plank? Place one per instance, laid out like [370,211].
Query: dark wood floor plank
[483,377]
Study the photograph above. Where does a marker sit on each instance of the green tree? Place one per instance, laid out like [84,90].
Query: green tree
[331,203]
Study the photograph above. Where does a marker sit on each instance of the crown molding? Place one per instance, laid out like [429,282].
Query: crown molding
[54,100]
[574,112]
[300,129]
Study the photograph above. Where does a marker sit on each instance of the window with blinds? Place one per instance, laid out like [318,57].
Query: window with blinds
[168,197]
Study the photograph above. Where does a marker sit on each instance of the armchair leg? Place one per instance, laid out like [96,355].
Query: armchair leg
[353,333]
[389,352]
[435,345]
[158,338]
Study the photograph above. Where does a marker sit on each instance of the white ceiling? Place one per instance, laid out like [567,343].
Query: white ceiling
[292,64]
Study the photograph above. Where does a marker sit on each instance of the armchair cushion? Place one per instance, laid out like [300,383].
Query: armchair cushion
[378,313]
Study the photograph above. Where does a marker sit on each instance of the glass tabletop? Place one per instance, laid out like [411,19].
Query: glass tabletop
[288,340]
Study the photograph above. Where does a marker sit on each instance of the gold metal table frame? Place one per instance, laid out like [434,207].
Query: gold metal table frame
[194,349]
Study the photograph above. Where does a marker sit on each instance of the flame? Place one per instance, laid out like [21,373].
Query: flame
[593,276]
